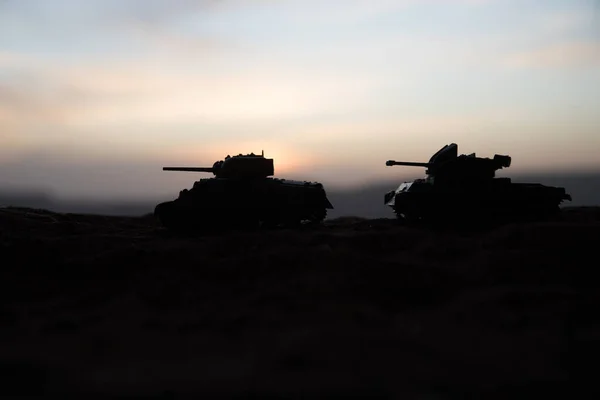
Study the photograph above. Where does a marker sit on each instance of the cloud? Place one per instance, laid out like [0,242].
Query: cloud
[235,98]
[134,108]
[10,59]
[152,22]
[109,28]
[23,109]
[565,22]
[176,44]
[108,11]
[122,92]
[335,12]
[558,55]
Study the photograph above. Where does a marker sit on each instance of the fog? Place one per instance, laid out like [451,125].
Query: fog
[364,200]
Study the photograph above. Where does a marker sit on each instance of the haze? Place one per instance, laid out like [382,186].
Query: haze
[97,96]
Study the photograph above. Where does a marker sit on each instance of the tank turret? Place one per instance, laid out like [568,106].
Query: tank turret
[242,166]
[465,187]
[446,165]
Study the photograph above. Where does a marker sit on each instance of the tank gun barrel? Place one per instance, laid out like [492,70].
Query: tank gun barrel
[390,163]
[189,169]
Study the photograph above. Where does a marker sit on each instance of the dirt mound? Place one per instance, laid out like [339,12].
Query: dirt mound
[104,305]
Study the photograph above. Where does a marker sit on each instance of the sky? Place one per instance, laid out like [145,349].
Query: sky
[96,96]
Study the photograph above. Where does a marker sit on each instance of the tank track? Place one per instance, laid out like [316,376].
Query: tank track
[173,217]
[480,216]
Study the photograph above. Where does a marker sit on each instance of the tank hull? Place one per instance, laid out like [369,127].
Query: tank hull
[244,203]
[496,201]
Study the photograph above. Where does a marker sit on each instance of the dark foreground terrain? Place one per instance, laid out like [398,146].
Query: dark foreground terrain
[94,305]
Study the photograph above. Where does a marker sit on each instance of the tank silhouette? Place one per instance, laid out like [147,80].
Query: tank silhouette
[465,188]
[243,193]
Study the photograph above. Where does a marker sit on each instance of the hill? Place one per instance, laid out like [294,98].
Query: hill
[99,305]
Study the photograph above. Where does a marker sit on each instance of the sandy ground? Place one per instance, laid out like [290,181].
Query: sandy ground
[94,305]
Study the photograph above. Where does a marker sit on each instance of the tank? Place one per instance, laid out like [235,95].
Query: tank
[243,193]
[465,188]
